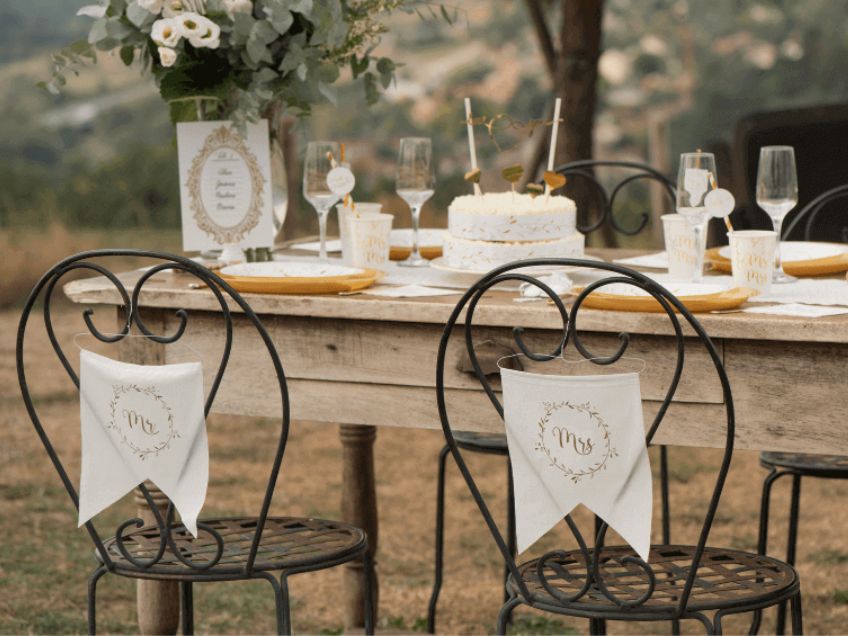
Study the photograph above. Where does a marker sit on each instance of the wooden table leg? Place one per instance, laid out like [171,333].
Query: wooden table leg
[359,507]
[158,602]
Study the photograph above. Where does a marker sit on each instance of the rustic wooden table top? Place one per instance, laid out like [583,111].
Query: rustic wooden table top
[497,309]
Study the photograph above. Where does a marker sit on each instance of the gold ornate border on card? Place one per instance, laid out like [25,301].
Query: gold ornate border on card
[226,137]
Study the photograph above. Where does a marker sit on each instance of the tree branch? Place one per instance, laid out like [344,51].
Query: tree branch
[543,35]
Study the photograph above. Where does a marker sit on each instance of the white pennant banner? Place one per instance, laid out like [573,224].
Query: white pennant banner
[578,439]
[142,422]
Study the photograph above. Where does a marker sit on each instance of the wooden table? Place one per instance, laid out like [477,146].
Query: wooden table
[363,362]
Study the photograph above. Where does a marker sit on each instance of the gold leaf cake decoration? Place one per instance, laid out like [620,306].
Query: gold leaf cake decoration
[473,176]
[513,174]
[535,189]
[554,180]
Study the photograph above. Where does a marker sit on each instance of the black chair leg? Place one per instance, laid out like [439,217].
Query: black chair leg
[187,608]
[92,598]
[279,601]
[284,589]
[762,538]
[791,544]
[505,615]
[512,541]
[597,626]
[797,615]
[665,511]
[368,566]
[440,541]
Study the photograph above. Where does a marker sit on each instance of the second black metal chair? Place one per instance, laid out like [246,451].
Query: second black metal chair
[496,444]
[601,582]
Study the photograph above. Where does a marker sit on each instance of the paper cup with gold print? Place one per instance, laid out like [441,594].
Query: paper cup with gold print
[680,246]
[752,258]
[363,209]
[368,236]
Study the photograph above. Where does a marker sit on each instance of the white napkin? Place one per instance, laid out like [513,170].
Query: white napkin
[558,281]
[653,261]
[409,291]
[809,291]
[142,422]
[578,439]
[797,309]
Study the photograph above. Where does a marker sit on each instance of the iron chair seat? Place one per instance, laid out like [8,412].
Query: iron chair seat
[491,443]
[826,466]
[288,543]
[727,580]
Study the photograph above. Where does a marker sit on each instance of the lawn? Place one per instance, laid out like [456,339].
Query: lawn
[45,559]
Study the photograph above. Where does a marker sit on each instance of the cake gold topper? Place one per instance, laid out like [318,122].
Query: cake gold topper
[502,122]
[512,174]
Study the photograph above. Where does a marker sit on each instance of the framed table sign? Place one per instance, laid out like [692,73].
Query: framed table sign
[225,185]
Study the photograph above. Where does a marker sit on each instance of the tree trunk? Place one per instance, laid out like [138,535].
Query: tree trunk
[576,83]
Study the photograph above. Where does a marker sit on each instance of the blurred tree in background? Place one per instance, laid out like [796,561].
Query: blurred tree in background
[103,155]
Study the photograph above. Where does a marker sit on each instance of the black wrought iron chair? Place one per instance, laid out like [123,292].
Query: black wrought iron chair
[227,549]
[603,582]
[798,465]
[496,444]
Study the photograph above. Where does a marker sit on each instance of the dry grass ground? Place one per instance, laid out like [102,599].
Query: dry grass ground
[44,559]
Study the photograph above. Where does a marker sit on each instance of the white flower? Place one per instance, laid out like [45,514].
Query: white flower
[238,6]
[153,6]
[207,35]
[190,24]
[173,8]
[167,57]
[166,32]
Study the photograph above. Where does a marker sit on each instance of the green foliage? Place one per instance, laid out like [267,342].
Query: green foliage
[287,51]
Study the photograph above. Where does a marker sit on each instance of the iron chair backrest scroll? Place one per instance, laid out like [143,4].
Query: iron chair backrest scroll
[225,295]
[635,172]
[810,213]
[570,336]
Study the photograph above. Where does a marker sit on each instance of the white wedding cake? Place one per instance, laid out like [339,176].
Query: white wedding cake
[492,229]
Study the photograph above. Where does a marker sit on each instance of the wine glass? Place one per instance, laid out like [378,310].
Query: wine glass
[777,193]
[319,161]
[279,189]
[415,184]
[696,176]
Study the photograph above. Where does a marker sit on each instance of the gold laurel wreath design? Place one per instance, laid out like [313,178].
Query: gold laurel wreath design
[588,409]
[226,137]
[150,391]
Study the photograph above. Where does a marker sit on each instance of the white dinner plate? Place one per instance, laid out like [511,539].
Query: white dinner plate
[681,290]
[440,263]
[289,269]
[791,251]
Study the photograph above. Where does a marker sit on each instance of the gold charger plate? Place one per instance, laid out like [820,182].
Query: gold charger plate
[400,252]
[810,267]
[303,284]
[696,303]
